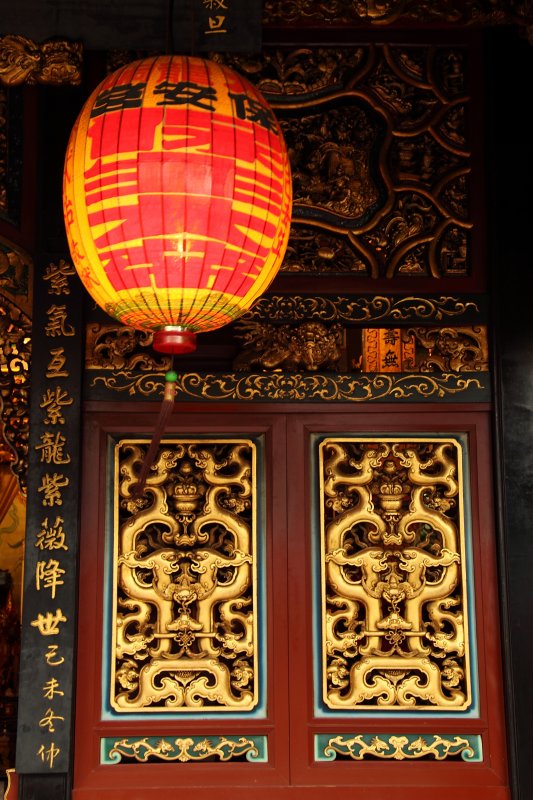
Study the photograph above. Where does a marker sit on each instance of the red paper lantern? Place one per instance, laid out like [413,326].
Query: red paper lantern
[177,197]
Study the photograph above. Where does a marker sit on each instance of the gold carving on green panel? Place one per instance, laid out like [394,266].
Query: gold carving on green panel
[184,616]
[185,749]
[394,600]
[398,748]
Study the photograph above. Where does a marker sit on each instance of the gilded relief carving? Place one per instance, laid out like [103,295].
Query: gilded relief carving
[394,600]
[186,749]
[283,387]
[385,308]
[308,347]
[185,560]
[399,748]
[55,62]
[461,349]
[331,163]
[315,250]
[121,347]
[387,12]
[376,136]
[424,349]
[15,355]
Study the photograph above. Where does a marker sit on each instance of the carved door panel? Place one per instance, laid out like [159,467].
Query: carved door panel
[404,697]
[298,601]
[182,679]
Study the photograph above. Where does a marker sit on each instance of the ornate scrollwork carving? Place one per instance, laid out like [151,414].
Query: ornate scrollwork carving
[331,161]
[379,155]
[394,598]
[295,308]
[55,62]
[185,616]
[186,749]
[315,250]
[286,387]
[387,12]
[121,347]
[15,355]
[310,346]
[399,748]
[461,349]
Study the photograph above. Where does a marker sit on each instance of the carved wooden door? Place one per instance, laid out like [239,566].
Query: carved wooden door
[299,601]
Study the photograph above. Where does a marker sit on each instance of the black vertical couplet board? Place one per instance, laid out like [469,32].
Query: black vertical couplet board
[46,689]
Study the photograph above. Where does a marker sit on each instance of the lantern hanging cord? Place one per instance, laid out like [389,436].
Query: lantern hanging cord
[170,27]
[164,413]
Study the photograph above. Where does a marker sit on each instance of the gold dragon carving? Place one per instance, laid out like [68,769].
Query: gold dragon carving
[393,560]
[185,612]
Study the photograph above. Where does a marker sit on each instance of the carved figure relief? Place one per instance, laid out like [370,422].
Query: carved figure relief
[310,346]
[379,155]
[394,600]
[185,579]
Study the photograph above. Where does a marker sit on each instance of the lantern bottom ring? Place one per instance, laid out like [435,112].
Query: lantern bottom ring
[175,340]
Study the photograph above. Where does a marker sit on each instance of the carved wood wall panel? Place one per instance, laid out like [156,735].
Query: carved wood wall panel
[380,154]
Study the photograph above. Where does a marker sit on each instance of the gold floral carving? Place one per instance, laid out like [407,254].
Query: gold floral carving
[402,748]
[184,749]
[308,347]
[185,615]
[56,62]
[394,593]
